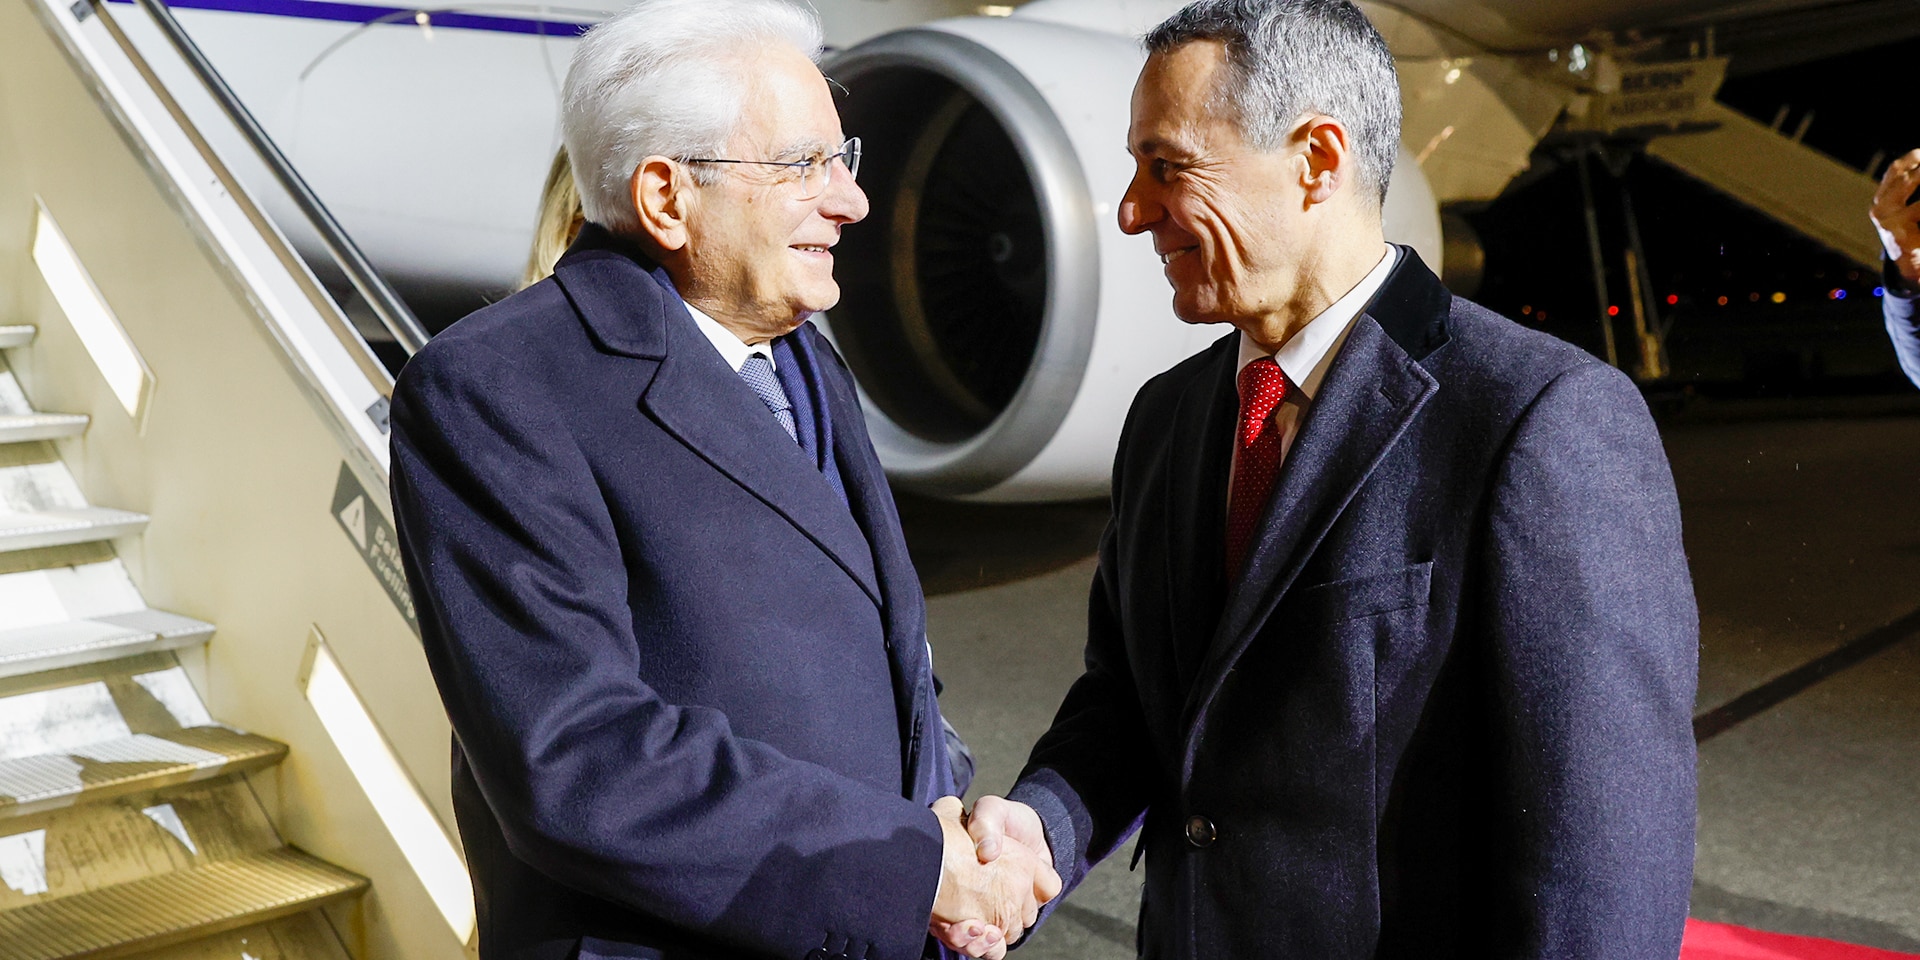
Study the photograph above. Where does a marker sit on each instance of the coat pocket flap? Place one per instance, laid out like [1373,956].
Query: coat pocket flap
[1367,596]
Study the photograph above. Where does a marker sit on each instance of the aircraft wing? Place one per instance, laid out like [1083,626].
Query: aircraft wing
[1758,34]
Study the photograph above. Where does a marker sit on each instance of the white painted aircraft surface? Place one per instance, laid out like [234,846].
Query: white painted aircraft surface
[428,131]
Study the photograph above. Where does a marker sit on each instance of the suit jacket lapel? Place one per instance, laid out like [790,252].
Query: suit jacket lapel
[1196,513]
[1373,390]
[872,502]
[630,308]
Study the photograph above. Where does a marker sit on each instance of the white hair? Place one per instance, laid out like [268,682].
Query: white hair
[1288,58]
[666,78]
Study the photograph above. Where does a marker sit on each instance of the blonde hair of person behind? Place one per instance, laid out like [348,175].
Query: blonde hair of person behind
[560,221]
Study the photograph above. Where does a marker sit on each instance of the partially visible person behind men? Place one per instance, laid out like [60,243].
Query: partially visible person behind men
[1392,643]
[1896,216]
[661,581]
[558,223]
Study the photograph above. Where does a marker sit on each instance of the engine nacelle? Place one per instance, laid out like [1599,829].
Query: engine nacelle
[998,321]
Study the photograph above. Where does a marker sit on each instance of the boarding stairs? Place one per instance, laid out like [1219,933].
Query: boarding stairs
[1780,176]
[128,826]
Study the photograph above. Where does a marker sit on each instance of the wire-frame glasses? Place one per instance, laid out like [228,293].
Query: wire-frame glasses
[814,172]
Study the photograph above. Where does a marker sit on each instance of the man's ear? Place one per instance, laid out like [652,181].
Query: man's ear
[661,196]
[1326,155]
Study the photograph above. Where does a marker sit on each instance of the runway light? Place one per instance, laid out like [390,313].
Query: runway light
[1613,311]
[1779,298]
[1723,301]
[100,332]
[1673,299]
[396,799]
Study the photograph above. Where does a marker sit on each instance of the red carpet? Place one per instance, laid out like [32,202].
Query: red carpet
[1719,941]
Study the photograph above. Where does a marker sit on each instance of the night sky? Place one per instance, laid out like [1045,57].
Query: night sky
[1824,336]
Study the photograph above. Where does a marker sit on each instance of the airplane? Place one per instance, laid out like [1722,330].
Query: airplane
[428,131]
[217,729]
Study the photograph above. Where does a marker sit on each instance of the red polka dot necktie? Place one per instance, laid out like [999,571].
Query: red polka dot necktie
[1257,442]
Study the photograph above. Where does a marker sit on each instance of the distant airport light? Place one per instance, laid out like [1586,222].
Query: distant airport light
[1673,299]
[1527,311]
[1838,294]
[1723,301]
[100,332]
[1779,298]
[1613,311]
[396,799]
[1879,291]
[1753,298]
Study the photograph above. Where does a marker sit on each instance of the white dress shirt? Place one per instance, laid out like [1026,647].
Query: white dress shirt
[1306,357]
[732,349]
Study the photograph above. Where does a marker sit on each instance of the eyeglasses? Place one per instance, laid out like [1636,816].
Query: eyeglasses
[815,172]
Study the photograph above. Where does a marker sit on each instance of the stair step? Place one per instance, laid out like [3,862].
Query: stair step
[22,427]
[136,764]
[18,335]
[52,528]
[173,908]
[70,642]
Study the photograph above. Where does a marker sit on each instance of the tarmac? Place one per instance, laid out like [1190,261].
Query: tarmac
[1804,540]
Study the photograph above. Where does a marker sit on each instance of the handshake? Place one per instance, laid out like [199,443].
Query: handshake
[996,872]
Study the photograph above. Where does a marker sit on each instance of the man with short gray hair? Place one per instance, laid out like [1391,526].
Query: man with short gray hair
[1392,645]
[661,580]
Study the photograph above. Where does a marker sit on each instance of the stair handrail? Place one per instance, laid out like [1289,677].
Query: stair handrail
[387,307]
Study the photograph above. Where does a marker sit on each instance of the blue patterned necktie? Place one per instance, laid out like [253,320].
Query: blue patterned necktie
[758,373]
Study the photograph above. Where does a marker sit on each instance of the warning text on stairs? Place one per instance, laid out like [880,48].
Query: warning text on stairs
[371,534]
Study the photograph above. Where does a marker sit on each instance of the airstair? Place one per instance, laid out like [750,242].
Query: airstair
[126,822]
[218,737]
[1779,176]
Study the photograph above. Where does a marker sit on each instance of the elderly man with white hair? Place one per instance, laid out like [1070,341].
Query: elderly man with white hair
[660,577]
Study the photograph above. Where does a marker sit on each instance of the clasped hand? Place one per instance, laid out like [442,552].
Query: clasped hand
[996,872]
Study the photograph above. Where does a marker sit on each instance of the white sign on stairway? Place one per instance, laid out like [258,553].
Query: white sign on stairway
[373,537]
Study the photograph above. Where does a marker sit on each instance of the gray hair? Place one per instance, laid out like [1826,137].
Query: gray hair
[666,78]
[1289,58]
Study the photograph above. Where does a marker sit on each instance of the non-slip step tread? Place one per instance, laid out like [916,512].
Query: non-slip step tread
[15,335]
[69,642]
[172,908]
[23,427]
[115,768]
[53,528]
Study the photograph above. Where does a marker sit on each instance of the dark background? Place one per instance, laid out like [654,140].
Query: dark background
[1702,245]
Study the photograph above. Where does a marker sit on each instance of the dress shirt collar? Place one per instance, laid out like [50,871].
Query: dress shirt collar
[1306,357]
[732,349]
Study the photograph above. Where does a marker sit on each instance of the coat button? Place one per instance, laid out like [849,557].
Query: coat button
[1200,831]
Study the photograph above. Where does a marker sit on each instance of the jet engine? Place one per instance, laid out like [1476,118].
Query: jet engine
[997,320]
